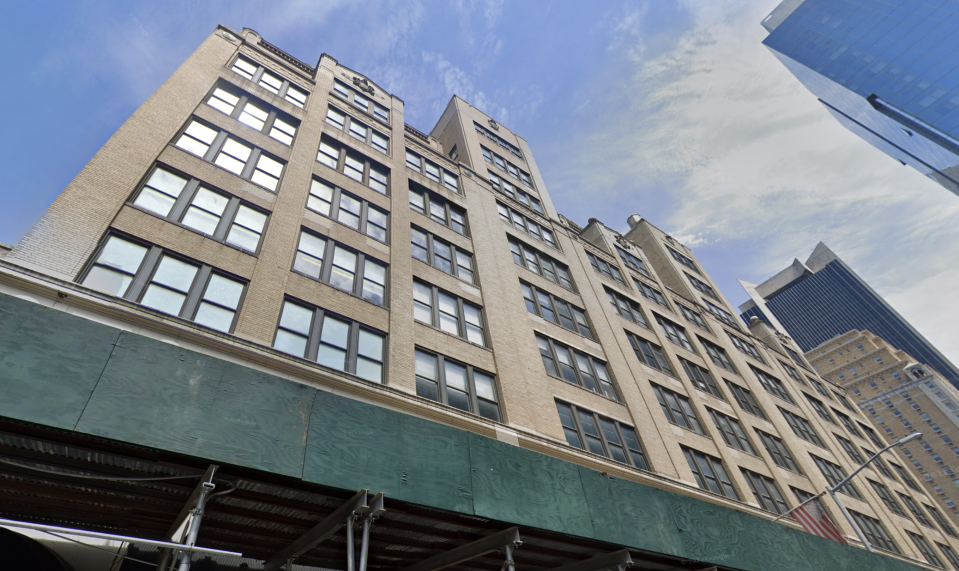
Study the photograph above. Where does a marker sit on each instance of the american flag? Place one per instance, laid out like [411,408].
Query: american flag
[813,518]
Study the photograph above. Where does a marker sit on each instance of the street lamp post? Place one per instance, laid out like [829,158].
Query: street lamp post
[832,491]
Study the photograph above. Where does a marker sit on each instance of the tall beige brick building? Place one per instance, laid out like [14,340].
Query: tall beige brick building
[900,396]
[284,217]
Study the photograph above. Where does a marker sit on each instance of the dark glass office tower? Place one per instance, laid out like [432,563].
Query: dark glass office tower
[823,298]
[887,70]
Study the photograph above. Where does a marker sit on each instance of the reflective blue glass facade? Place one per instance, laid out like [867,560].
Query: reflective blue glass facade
[887,70]
[833,301]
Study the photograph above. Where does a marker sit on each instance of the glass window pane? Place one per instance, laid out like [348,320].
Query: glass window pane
[369,370]
[296,96]
[335,332]
[426,389]
[107,281]
[243,238]
[244,68]
[270,166]
[250,218]
[425,365]
[456,376]
[458,399]
[155,201]
[175,274]
[167,182]
[223,291]
[370,345]
[290,343]
[344,269]
[201,132]
[214,317]
[201,220]
[296,317]
[122,255]
[271,82]
[163,299]
[331,357]
[484,386]
[253,116]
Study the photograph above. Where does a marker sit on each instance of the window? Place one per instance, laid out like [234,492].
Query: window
[674,333]
[338,157]
[358,130]
[438,209]
[701,378]
[688,262]
[269,81]
[879,464]
[721,314]
[575,367]
[442,255]
[650,354]
[627,308]
[795,357]
[160,280]
[551,308]
[845,402]
[222,217]
[792,372]
[874,531]
[541,264]
[510,190]
[329,262]
[772,385]
[914,508]
[745,347]
[524,224]
[718,355]
[850,449]
[778,452]
[835,474]
[941,521]
[497,139]
[633,262]
[651,293]
[950,555]
[887,498]
[873,437]
[346,92]
[746,400]
[606,268]
[333,202]
[820,409]
[506,166]
[702,286]
[766,492]
[254,113]
[457,385]
[820,388]
[710,473]
[904,476]
[925,549]
[432,171]
[848,423]
[447,312]
[332,341]
[600,435]
[693,317]
[732,432]
[241,159]
[801,427]
[678,409]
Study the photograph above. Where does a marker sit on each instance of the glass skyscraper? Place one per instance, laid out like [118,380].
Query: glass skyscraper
[887,70]
[823,298]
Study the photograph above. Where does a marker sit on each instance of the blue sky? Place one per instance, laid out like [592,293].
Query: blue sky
[673,110]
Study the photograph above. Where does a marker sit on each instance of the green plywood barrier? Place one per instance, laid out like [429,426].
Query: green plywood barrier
[355,445]
[49,362]
[631,514]
[162,396]
[521,486]
[64,371]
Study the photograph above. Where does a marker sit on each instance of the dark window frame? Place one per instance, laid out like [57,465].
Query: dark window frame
[745,347]
[923,546]
[611,271]
[450,209]
[284,90]
[693,317]
[343,150]
[372,107]
[634,456]
[732,432]
[633,261]
[557,268]
[678,410]
[250,166]
[143,277]
[446,179]
[675,333]
[778,451]
[718,355]
[573,312]
[651,354]
[651,293]
[702,379]
[239,107]
[747,402]
[455,250]
[442,391]
[802,428]
[347,128]
[700,462]
[772,385]
[874,531]
[518,194]
[766,492]
[834,473]
[527,225]
[327,268]
[684,260]
[611,392]
[702,286]
[461,322]
[336,203]
[627,308]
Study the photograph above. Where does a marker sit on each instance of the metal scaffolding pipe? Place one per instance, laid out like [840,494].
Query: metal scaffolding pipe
[113,537]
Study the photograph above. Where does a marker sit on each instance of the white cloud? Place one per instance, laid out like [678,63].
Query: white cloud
[746,160]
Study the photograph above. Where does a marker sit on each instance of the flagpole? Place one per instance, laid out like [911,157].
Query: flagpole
[832,491]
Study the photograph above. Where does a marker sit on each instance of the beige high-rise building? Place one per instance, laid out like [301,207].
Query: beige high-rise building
[901,396]
[267,269]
